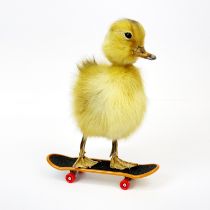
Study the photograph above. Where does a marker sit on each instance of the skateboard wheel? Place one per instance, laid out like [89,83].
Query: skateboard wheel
[125,184]
[70,177]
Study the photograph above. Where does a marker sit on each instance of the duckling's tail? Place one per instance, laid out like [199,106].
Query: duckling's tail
[86,64]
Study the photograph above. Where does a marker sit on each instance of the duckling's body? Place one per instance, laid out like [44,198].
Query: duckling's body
[109,100]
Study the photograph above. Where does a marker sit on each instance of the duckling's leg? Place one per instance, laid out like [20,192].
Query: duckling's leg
[117,162]
[82,161]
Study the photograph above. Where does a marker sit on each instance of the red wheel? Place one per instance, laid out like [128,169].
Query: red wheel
[70,177]
[125,184]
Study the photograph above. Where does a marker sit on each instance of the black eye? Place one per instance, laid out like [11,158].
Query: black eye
[128,35]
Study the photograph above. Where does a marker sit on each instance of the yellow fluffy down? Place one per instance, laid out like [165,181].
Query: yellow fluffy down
[109,101]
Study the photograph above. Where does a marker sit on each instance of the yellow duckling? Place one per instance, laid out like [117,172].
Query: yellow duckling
[109,100]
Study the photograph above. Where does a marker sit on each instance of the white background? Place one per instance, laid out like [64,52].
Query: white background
[40,44]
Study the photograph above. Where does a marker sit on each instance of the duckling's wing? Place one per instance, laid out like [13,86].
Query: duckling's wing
[85,64]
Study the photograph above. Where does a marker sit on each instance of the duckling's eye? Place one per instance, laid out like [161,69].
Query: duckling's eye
[128,35]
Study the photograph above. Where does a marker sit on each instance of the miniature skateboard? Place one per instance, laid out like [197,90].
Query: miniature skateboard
[62,162]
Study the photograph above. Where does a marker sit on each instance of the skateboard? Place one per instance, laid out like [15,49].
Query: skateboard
[62,162]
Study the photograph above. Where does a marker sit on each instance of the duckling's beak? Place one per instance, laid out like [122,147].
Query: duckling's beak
[141,52]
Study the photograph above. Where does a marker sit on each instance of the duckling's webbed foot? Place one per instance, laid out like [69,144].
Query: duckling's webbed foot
[120,164]
[82,161]
[116,162]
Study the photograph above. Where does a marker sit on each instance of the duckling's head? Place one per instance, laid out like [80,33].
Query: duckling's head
[124,43]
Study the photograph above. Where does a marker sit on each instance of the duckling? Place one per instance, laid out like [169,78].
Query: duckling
[109,99]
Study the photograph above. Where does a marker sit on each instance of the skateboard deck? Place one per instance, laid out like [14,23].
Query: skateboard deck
[62,162]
